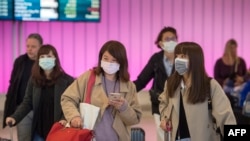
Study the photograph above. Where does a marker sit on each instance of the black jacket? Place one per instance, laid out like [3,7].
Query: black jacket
[32,99]
[153,70]
[12,93]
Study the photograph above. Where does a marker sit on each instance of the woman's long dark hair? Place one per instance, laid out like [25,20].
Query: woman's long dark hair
[200,82]
[38,75]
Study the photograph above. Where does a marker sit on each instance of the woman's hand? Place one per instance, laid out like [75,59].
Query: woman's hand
[163,124]
[76,122]
[117,103]
[166,125]
[226,81]
[63,122]
[238,80]
[10,121]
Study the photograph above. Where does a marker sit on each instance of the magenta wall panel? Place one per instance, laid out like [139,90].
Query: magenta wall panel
[227,19]
[124,27]
[68,47]
[44,28]
[214,9]
[178,16]
[147,38]
[113,25]
[196,28]
[29,27]
[136,24]
[209,33]
[6,61]
[188,21]
[245,30]
[25,29]
[79,49]
[91,49]
[3,84]
[135,38]
[103,27]
[56,37]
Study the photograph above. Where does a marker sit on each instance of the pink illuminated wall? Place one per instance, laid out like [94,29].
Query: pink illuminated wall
[136,24]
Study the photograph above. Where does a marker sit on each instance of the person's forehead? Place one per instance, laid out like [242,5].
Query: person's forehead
[233,46]
[107,54]
[169,34]
[32,41]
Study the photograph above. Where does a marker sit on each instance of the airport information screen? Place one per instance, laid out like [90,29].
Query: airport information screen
[56,10]
[6,9]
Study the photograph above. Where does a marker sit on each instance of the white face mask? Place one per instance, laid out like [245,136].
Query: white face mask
[110,68]
[169,46]
[47,63]
[181,65]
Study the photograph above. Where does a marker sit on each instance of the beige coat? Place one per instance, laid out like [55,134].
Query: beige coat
[198,117]
[74,94]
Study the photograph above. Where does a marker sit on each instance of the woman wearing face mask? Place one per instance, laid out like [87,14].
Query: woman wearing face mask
[184,101]
[158,68]
[45,87]
[112,76]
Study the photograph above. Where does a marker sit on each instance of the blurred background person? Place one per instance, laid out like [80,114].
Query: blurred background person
[18,81]
[158,68]
[230,70]
[246,89]
[244,117]
[43,94]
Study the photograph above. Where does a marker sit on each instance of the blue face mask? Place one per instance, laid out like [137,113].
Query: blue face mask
[181,65]
[47,63]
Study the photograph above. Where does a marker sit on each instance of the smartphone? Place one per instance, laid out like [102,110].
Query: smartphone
[114,96]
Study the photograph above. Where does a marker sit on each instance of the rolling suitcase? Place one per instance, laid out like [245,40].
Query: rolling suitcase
[137,134]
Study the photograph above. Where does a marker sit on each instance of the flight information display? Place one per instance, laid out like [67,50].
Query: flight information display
[6,9]
[36,10]
[50,10]
[79,10]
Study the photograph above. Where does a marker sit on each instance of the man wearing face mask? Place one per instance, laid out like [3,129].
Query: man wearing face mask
[158,68]
[44,89]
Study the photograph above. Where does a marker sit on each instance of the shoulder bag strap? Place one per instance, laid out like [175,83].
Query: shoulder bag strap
[210,108]
[90,84]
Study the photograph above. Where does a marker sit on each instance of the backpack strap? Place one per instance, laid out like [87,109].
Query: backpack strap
[209,100]
[210,108]
[90,84]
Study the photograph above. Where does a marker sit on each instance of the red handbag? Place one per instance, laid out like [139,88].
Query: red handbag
[60,133]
